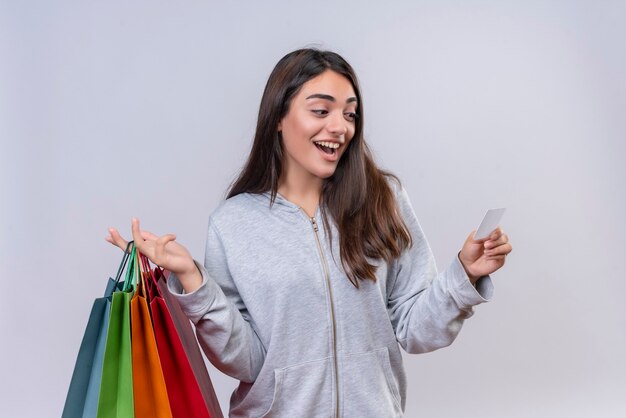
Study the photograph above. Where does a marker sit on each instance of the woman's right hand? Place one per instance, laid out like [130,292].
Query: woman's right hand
[164,252]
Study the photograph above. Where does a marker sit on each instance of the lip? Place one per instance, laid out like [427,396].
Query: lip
[329,157]
[334,141]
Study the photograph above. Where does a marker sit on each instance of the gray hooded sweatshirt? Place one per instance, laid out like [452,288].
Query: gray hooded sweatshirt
[277,312]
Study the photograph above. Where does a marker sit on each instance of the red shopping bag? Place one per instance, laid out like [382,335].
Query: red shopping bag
[190,344]
[183,391]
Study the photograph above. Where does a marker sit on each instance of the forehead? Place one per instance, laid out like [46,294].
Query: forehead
[331,83]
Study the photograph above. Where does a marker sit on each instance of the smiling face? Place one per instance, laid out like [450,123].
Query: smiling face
[318,127]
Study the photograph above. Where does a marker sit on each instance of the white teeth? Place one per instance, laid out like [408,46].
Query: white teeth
[328,144]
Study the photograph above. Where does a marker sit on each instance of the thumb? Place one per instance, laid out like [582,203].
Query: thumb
[470,238]
[472,248]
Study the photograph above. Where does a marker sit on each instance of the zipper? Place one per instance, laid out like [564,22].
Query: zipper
[332,311]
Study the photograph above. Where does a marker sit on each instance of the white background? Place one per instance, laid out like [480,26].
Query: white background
[114,109]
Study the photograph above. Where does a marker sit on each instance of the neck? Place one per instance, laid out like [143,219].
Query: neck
[304,192]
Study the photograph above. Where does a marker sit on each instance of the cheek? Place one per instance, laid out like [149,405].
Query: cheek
[350,133]
[310,127]
[301,128]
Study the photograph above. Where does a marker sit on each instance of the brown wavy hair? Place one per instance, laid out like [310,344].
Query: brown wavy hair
[357,196]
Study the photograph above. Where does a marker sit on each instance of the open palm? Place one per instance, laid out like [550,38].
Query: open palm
[163,251]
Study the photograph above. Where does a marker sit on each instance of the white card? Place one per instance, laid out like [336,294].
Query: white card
[489,223]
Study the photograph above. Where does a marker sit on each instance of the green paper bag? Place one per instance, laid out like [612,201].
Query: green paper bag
[116,389]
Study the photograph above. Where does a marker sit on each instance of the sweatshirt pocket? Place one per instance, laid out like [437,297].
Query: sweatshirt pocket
[369,388]
[303,389]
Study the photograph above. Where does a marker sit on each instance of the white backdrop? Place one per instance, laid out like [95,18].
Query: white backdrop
[110,110]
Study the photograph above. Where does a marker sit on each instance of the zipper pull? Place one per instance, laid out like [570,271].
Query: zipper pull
[314,224]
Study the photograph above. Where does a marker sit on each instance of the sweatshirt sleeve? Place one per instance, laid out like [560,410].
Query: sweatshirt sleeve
[225,331]
[427,308]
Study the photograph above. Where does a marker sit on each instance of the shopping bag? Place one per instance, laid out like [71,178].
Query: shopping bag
[185,397]
[116,389]
[82,395]
[149,391]
[190,345]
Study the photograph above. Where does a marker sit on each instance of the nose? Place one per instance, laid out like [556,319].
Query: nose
[337,124]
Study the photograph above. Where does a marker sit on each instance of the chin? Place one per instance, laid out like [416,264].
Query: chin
[324,174]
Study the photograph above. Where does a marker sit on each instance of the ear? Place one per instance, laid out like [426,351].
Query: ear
[280,127]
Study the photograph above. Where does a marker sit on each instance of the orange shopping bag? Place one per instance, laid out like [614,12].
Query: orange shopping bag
[151,400]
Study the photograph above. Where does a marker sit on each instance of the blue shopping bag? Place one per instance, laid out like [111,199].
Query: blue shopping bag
[82,396]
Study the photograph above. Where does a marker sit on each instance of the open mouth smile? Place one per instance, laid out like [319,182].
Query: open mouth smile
[328,148]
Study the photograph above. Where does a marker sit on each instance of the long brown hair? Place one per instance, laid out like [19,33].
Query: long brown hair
[357,196]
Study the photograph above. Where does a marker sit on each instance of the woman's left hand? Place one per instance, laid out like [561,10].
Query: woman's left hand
[483,257]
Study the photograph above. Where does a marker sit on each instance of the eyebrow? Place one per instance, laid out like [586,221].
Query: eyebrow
[329,97]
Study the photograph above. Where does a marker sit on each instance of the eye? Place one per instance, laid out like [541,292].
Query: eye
[350,116]
[320,112]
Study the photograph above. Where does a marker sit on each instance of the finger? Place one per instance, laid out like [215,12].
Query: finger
[160,245]
[495,234]
[470,238]
[503,239]
[137,234]
[480,240]
[499,258]
[148,235]
[503,249]
[116,239]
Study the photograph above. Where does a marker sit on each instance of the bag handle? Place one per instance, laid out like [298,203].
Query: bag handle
[130,271]
[125,258]
[150,273]
[148,285]
[142,266]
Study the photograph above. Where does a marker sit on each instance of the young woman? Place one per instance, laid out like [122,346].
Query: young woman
[316,268]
